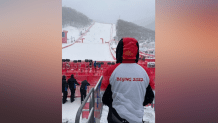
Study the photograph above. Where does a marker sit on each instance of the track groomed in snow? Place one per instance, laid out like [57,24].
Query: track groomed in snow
[92,46]
[80,51]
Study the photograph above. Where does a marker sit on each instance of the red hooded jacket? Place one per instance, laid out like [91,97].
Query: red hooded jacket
[126,83]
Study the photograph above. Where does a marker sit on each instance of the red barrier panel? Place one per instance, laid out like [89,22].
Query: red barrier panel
[93,80]
[85,114]
[82,71]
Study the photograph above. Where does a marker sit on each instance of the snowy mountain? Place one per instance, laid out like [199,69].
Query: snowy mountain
[151,26]
[129,29]
[71,17]
[147,23]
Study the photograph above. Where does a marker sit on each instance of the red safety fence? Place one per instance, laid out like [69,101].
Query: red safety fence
[85,112]
[112,51]
[80,38]
[83,70]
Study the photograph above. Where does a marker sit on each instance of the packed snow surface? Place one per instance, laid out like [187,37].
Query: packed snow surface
[82,51]
[97,32]
[69,111]
[92,46]
[73,33]
[149,115]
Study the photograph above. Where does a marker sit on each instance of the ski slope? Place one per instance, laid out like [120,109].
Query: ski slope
[82,51]
[73,33]
[92,46]
[98,31]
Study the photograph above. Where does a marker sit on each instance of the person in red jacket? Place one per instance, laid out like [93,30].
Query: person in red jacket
[126,85]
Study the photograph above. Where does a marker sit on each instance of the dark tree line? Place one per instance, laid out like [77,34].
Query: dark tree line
[70,17]
[128,29]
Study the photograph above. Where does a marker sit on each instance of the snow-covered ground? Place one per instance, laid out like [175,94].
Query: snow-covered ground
[113,45]
[69,111]
[92,48]
[114,30]
[97,32]
[82,51]
[149,115]
[73,33]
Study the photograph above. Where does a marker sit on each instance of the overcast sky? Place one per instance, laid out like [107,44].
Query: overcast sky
[110,10]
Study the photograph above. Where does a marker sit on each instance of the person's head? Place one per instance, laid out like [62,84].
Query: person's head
[72,76]
[127,50]
[63,77]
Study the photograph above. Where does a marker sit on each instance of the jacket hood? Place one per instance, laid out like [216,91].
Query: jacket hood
[63,77]
[72,76]
[127,50]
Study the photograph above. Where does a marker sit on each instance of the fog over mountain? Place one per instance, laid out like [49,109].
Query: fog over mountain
[71,17]
[146,22]
[129,29]
[109,11]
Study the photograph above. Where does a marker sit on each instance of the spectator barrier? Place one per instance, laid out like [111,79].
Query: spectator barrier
[95,105]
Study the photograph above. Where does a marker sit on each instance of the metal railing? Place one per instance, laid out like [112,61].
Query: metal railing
[91,94]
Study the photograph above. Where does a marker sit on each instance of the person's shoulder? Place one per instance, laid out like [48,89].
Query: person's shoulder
[70,80]
[144,67]
[112,68]
[106,76]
